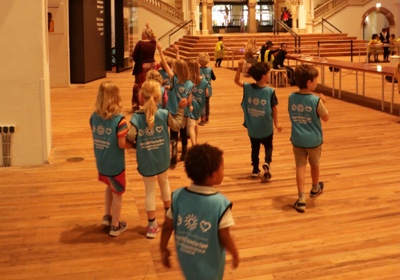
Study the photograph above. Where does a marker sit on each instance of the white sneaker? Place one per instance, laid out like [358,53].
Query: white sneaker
[266,176]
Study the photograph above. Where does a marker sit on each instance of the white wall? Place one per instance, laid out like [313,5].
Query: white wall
[59,46]
[24,79]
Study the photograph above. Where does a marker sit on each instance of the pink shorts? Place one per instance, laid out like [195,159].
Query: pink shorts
[117,183]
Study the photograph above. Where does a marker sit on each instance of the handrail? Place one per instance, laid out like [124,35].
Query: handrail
[191,32]
[338,41]
[322,23]
[169,31]
[288,29]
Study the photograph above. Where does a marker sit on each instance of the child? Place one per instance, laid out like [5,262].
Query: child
[109,129]
[208,73]
[260,110]
[181,87]
[392,42]
[201,233]
[306,111]
[374,48]
[149,131]
[219,51]
[199,92]
[155,75]
[166,81]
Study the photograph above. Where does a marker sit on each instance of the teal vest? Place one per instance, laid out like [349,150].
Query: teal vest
[306,124]
[257,110]
[152,146]
[196,222]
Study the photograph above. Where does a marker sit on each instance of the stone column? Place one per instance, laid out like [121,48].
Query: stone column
[251,21]
[194,15]
[209,17]
[204,19]
[294,18]
[301,12]
[310,16]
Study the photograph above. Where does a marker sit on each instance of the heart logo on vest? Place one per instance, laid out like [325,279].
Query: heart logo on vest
[308,109]
[108,131]
[205,226]
[159,129]
[263,102]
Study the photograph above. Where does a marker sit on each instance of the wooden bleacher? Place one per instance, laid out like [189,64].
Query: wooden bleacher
[190,45]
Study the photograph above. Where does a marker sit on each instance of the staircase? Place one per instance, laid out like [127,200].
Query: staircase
[191,45]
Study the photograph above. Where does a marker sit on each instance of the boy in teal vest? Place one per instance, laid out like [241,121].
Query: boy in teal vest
[306,110]
[201,218]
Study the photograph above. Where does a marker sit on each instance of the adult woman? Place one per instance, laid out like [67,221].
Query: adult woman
[143,56]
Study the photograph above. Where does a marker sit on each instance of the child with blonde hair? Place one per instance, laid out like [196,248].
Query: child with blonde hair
[199,92]
[109,129]
[166,82]
[181,86]
[155,75]
[149,131]
[207,73]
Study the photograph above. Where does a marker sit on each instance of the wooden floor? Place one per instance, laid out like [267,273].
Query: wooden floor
[51,214]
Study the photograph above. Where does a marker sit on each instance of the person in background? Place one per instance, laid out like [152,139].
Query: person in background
[206,72]
[202,234]
[306,110]
[143,56]
[109,129]
[374,48]
[384,38]
[219,51]
[392,41]
[267,54]
[278,63]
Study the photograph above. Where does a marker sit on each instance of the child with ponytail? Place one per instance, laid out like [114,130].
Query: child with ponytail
[149,131]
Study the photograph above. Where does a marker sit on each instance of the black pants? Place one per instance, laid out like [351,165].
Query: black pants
[218,62]
[255,149]
[386,52]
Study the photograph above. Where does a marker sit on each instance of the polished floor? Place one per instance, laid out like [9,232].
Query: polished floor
[51,214]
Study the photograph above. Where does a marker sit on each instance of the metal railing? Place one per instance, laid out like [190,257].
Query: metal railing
[327,22]
[279,23]
[180,27]
[337,42]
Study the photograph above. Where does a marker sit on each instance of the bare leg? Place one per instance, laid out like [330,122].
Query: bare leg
[315,175]
[116,208]
[300,178]
[108,201]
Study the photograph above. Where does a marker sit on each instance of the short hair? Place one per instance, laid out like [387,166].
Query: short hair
[203,58]
[257,70]
[219,38]
[304,73]
[201,161]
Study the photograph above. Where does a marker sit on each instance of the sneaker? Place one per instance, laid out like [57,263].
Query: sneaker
[107,220]
[152,231]
[115,231]
[255,172]
[320,190]
[266,176]
[300,206]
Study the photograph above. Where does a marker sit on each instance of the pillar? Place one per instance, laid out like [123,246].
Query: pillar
[204,20]
[310,16]
[252,25]
[209,17]
[301,12]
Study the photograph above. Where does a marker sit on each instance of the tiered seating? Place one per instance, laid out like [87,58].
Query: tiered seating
[190,45]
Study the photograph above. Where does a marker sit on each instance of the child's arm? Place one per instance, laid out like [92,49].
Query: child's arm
[227,242]
[321,109]
[165,64]
[275,115]
[122,133]
[123,144]
[131,136]
[175,121]
[213,75]
[177,56]
[167,229]
[238,72]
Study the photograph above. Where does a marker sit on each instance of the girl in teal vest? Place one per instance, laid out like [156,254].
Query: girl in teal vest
[149,131]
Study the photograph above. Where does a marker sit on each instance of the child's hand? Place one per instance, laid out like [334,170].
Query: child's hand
[183,103]
[235,262]
[165,258]
[191,108]
[279,127]
[159,47]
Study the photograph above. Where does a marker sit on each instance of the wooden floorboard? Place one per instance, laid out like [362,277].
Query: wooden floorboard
[51,214]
